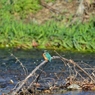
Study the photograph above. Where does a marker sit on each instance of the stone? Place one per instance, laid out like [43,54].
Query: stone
[74,87]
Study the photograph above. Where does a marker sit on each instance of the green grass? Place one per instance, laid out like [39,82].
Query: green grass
[21,7]
[16,33]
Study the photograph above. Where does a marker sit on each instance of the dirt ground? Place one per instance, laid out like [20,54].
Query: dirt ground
[63,11]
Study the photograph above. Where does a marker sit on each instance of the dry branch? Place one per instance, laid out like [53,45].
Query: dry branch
[75,64]
[26,79]
[21,64]
[23,82]
[44,4]
[30,75]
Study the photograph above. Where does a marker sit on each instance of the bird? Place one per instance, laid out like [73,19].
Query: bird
[47,56]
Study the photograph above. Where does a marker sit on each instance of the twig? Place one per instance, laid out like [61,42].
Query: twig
[21,64]
[44,4]
[71,62]
[74,63]
[40,73]
[30,75]
[33,82]
[64,61]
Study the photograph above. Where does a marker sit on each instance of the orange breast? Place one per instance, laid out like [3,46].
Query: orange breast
[45,57]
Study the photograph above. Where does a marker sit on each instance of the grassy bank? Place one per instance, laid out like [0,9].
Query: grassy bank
[49,35]
[16,33]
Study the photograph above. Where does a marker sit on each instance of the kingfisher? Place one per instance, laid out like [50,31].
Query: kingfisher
[47,56]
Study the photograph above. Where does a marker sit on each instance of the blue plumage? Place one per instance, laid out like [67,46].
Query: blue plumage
[47,55]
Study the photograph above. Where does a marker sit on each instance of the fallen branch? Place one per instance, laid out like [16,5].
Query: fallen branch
[23,82]
[30,75]
[75,64]
[44,4]
[26,79]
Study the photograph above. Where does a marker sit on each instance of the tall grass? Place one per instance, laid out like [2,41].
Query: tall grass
[16,33]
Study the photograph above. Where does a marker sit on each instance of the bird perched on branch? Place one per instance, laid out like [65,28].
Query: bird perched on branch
[47,56]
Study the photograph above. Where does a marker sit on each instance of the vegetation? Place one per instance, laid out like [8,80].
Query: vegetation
[16,33]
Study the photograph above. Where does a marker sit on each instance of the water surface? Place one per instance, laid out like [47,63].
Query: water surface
[10,68]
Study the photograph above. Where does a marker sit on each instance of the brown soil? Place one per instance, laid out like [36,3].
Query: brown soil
[62,11]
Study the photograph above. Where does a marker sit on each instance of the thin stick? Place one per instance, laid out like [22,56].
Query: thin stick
[75,64]
[43,63]
[31,74]
[21,64]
